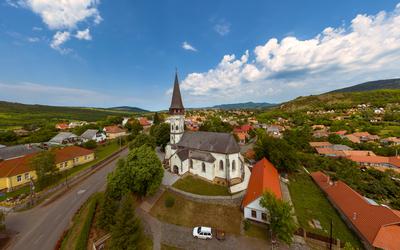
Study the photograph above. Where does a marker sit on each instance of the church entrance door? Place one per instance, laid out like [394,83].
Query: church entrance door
[176,169]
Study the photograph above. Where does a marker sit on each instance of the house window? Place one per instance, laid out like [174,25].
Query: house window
[26,176]
[253,213]
[264,216]
[203,167]
[221,165]
[76,160]
[233,166]
[191,163]
[19,178]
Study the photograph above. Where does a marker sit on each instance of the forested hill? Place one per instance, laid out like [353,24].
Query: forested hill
[342,100]
[18,114]
[373,85]
[245,105]
[129,109]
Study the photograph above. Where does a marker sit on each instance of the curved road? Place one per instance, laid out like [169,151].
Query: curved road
[42,226]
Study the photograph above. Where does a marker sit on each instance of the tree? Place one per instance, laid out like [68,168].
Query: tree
[134,127]
[126,232]
[141,173]
[161,133]
[108,208]
[281,222]
[157,119]
[44,165]
[278,151]
[8,137]
[143,139]
[215,124]
[91,144]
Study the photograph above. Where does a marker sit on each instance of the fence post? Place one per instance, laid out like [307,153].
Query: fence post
[338,244]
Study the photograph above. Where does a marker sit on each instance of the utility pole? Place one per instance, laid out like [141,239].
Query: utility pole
[31,190]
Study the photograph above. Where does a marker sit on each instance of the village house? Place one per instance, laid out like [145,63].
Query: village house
[21,132]
[377,226]
[114,131]
[264,177]
[381,163]
[17,172]
[62,126]
[391,141]
[144,122]
[93,134]
[359,137]
[16,151]
[275,130]
[65,138]
[212,156]
[77,124]
[320,133]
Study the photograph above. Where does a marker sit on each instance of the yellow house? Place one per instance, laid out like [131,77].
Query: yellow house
[17,172]
[72,156]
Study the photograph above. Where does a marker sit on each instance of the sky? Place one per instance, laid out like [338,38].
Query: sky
[104,53]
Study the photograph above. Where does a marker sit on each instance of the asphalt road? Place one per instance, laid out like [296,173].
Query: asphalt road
[42,226]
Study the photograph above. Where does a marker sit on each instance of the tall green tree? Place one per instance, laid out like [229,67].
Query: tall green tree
[141,173]
[126,232]
[44,165]
[143,139]
[281,220]
[215,124]
[161,133]
[157,119]
[108,208]
[133,126]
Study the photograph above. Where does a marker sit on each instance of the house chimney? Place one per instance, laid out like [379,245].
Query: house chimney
[354,216]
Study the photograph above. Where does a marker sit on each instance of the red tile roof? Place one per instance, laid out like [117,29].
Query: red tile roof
[21,165]
[378,225]
[62,126]
[341,132]
[68,153]
[318,144]
[113,129]
[143,121]
[15,166]
[264,176]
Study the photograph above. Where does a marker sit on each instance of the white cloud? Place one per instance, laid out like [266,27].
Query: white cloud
[83,34]
[222,28]
[50,94]
[187,46]
[37,28]
[369,48]
[59,39]
[33,39]
[62,14]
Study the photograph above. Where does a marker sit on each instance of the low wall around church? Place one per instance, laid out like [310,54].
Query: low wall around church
[231,200]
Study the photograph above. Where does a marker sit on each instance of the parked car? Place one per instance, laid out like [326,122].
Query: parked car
[202,233]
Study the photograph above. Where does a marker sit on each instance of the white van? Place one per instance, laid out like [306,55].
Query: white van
[202,233]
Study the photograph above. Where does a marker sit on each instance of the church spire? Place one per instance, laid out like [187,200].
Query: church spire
[176,107]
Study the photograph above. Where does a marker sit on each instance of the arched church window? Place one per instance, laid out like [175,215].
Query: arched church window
[177,128]
[203,167]
[221,165]
[233,165]
[190,163]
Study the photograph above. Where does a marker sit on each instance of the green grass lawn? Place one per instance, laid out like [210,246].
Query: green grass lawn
[195,185]
[15,193]
[192,214]
[310,203]
[258,231]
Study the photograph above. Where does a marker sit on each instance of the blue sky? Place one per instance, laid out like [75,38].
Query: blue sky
[111,53]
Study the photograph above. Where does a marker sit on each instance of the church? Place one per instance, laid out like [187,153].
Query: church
[209,155]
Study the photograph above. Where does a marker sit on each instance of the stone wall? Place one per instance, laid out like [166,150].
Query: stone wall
[233,200]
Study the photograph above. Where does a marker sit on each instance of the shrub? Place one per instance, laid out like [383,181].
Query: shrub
[91,144]
[169,201]
[81,243]
[246,225]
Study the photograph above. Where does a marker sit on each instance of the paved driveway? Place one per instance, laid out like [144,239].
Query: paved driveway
[42,226]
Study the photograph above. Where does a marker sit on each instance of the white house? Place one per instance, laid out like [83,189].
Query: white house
[212,156]
[264,177]
[93,134]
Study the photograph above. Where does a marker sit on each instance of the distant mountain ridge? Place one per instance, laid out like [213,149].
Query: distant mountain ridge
[244,105]
[371,85]
[128,109]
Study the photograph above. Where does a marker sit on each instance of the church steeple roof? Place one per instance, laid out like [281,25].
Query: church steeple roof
[176,102]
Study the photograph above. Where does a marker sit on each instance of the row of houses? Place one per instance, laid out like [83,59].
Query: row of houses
[68,138]
[378,226]
[364,158]
[17,171]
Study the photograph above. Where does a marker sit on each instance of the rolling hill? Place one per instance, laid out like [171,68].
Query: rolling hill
[372,85]
[245,105]
[14,115]
[129,109]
